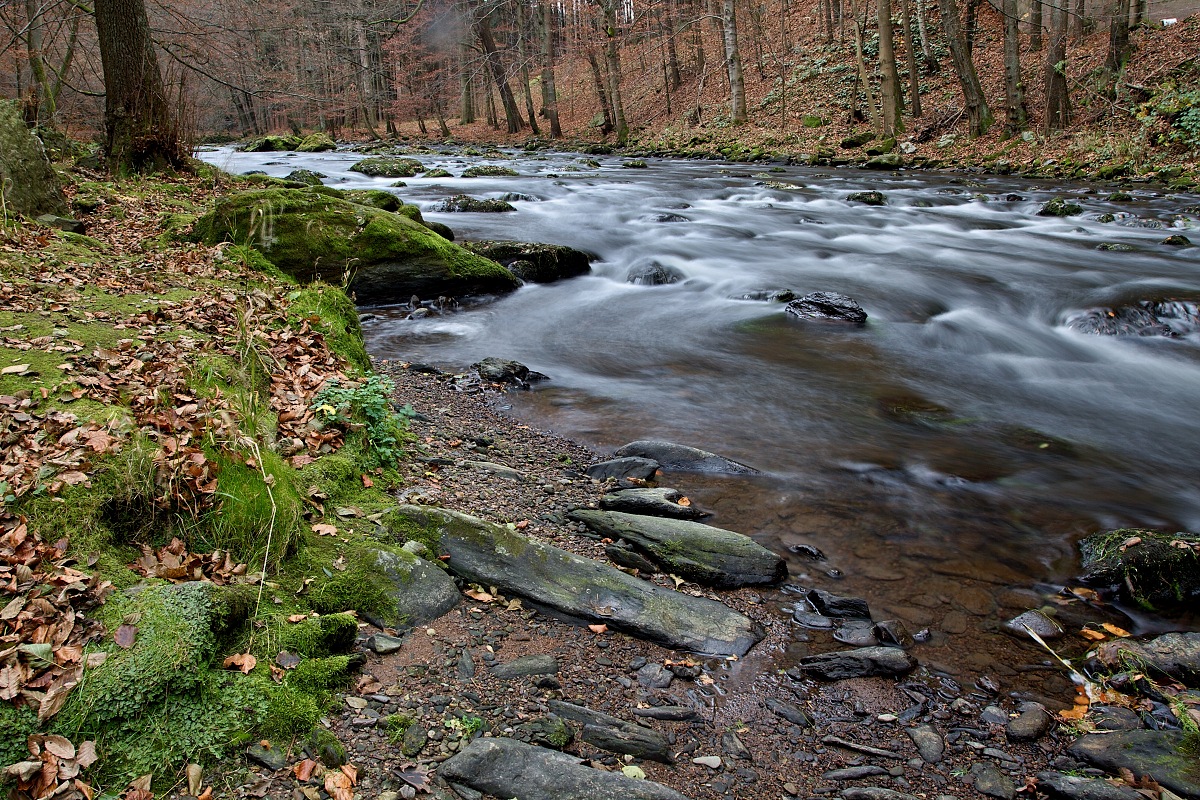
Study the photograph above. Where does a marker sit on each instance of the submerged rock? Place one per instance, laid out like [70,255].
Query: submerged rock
[533,262]
[867,198]
[692,550]
[862,662]
[829,604]
[827,305]
[681,458]
[1154,569]
[1143,318]
[653,502]
[1161,755]
[623,469]
[769,295]
[508,768]
[653,274]
[493,555]
[1060,207]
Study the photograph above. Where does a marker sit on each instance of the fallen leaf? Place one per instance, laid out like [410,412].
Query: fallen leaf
[683,501]
[15,369]
[367,482]
[294,618]
[351,772]
[632,771]
[241,661]
[1120,633]
[195,779]
[1131,541]
[59,746]
[1095,636]
[338,785]
[480,595]
[125,636]
[287,660]
[304,770]
[597,628]
[324,529]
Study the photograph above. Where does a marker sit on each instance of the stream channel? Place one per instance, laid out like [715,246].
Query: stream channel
[946,456]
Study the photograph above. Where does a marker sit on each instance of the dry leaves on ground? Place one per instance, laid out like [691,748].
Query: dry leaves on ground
[52,770]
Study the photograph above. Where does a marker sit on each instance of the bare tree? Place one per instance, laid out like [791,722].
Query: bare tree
[893,107]
[733,63]
[549,93]
[1058,100]
[1015,114]
[979,116]
[914,85]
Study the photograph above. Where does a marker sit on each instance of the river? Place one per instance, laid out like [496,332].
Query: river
[946,456]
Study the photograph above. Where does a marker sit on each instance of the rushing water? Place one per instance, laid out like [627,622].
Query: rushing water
[945,457]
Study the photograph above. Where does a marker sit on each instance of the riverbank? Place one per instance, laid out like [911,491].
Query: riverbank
[247,456]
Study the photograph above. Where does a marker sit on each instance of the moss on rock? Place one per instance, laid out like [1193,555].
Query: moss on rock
[317,143]
[320,637]
[1158,571]
[388,167]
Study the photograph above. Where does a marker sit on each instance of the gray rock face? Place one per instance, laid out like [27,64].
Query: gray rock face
[827,305]
[1158,754]
[533,262]
[28,184]
[692,550]
[526,665]
[655,676]
[422,591]
[623,468]
[681,458]
[990,781]
[495,556]
[829,604]
[658,502]
[791,713]
[1035,621]
[508,768]
[615,735]
[1144,565]
[1071,787]
[501,370]
[929,742]
[861,662]
[1165,317]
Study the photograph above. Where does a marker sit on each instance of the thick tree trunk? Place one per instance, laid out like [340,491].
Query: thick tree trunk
[140,129]
[466,86]
[512,116]
[733,63]
[522,32]
[893,107]
[1058,101]
[979,115]
[1118,39]
[549,92]
[914,85]
[1035,25]
[1015,114]
[606,126]
[612,58]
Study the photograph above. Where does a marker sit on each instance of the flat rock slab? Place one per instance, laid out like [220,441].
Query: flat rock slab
[1159,754]
[1071,787]
[701,553]
[525,666]
[659,502]
[623,468]
[491,555]
[613,734]
[682,458]
[1176,655]
[508,768]
[861,662]
[874,793]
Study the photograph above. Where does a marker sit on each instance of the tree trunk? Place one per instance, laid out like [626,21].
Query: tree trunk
[1058,101]
[41,107]
[602,93]
[863,75]
[893,107]
[1077,19]
[783,62]
[979,115]
[1035,25]
[140,129]
[612,58]
[914,85]
[522,31]
[673,72]
[1015,114]
[549,92]
[466,86]
[483,29]
[733,63]
[1118,40]
[928,56]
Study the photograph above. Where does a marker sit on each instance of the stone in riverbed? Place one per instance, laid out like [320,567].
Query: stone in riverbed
[655,676]
[832,605]
[989,780]
[615,735]
[874,793]
[681,458]
[861,662]
[787,711]
[1161,755]
[856,632]
[466,203]
[827,306]
[621,554]
[421,591]
[867,198]
[929,742]
[538,263]
[525,666]
[492,555]
[501,370]
[692,550]
[651,502]
[1154,569]
[653,274]
[623,469]
[1035,621]
[1168,317]
[1030,724]
[1074,787]
[272,758]
[1176,655]
[1060,207]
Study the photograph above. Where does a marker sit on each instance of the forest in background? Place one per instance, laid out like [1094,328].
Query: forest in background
[678,75]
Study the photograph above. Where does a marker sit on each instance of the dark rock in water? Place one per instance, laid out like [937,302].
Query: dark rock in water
[499,370]
[1144,566]
[787,711]
[655,502]
[1029,725]
[440,173]
[856,633]
[808,551]
[1115,247]
[653,274]
[1176,655]
[989,780]
[489,171]
[811,619]
[273,759]
[525,666]
[1144,318]
[862,662]
[493,555]
[770,295]
[623,468]
[832,605]
[692,550]
[1161,755]
[827,305]
[867,198]
[1177,240]
[929,743]
[615,735]
[388,167]
[533,262]
[516,197]
[508,768]
[441,230]
[621,554]
[892,632]
[1073,787]
[1115,718]
[1060,207]
[669,218]
[466,203]
[1035,621]
[306,176]
[681,458]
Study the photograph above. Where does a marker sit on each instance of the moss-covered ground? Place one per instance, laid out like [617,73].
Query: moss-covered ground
[169,393]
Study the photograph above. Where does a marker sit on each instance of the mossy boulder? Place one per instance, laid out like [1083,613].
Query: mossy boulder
[384,201]
[489,171]
[320,637]
[533,262]
[438,173]
[871,198]
[419,590]
[317,143]
[1060,207]
[388,167]
[272,144]
[857,140]
[28,184]
[1158,571]
[466,203]
[306,176]
[885,161]
[312,235]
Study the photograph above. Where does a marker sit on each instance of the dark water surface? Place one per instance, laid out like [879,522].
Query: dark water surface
[945,457]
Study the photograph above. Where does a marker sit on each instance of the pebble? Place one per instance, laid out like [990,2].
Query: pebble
[655,676]
[854,773]
[712,762]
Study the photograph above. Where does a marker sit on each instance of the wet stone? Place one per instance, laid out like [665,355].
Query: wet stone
[874,793]
[1037,622]
[1115,718]
[383,645]
[272,759]
[1029,725]
[856,632]
[789,712]
[929,742]
[526,665]
[733,747]
[655,676]
[1073,787]
[989,780]
[854,773]
[993,715]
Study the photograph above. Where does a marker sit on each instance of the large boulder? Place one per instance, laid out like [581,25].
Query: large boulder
[1168,317]
[1161,755]
[692,550]
[317,143]
[508,768]
[681,458]
[388,167]
[314,234]
[492,555]
[653,274]
[271,144]
[1156,570]
[1176,655]
[28,184]
[422,591]
[533,262]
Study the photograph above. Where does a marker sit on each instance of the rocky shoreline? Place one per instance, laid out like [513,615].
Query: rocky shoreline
[435,706]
